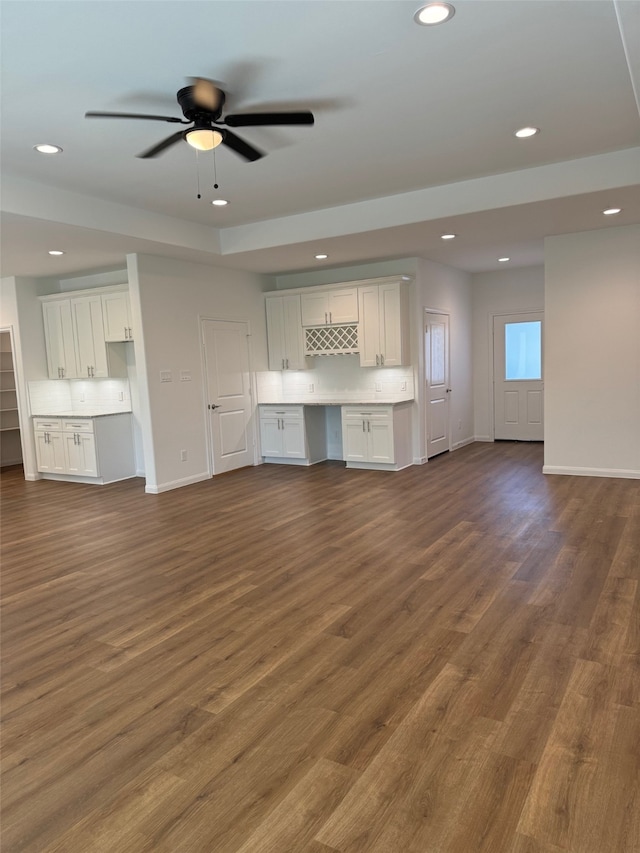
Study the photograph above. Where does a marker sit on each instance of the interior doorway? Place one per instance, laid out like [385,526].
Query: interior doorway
[518,376]
[10,441]
[438,392]
[228,391]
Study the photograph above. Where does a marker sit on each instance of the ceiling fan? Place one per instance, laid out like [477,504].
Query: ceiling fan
[201,105]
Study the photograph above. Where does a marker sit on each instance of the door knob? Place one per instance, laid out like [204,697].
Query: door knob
[213,406]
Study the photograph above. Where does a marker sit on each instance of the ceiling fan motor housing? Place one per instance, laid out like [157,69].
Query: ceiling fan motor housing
[193,111]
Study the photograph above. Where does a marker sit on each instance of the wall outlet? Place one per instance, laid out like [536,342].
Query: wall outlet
[121,396]
[183,455]
[378,386]
[310,388]
[82,396]
[459,424]
[403,386]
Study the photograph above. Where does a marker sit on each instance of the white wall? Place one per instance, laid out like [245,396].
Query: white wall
[508,291]
[168,298]
[442,288]
[592,349]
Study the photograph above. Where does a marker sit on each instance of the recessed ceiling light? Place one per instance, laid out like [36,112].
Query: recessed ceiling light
[434,13]
[55,252]
[611,211]
[503,260]
[321,257]
[526,132]
[45,148]
[447,236]
[220,202]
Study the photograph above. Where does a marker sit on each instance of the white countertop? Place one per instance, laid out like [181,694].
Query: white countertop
[339,402]
[88,414]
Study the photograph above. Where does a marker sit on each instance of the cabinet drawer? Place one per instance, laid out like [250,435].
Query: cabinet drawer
[78,425]
[369,413]
[47,423]
[281,411]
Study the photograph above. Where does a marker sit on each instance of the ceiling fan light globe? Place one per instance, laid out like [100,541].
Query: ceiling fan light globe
[203,139]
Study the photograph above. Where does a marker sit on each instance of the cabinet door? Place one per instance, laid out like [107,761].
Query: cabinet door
[49,452]
[314,309]
[80,454]
[391,325]
[294,343]
[369,326]
[270,435]
[275,332]
[294,445]
[343,306]
[355,439]
[91,350]
[59,341]
[380,435]
[116,315]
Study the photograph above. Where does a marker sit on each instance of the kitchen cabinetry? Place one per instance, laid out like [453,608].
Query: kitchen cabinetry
[377,436]
[75,339]
[332,307]
[58,338]
[383,331]
[116,315]
[292,434]
[90,450]
[284,333]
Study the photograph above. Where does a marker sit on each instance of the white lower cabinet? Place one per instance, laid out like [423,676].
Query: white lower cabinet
[377,436]
[295,435]
[85,449]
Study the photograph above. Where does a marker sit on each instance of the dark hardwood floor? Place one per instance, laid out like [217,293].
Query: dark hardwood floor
[290,660]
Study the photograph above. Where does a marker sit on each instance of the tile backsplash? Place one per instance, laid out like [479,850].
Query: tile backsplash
[337,377]
[57,396]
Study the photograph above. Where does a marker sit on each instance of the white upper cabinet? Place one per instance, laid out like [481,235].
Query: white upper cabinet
[284,333]
[116,314]
[88,329]
[59,341]
[333,307]
[75,338]
[383,330]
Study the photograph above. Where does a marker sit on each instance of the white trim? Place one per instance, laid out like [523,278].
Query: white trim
[442,313]
[419,460]
[483,438]
[177,484]
[463,443]
[624,473]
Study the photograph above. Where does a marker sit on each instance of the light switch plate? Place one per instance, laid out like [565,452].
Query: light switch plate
[165,376]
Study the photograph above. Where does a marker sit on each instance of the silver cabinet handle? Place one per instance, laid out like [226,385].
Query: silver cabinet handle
[363,426]
[283,363]
[381,359]
[330,318]
[130,334]
[287,364]
[368,426]
[377,361]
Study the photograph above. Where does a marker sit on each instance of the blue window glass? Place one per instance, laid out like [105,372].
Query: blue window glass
[523,350]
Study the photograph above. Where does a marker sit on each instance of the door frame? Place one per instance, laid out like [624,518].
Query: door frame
[203,318]
[425,431]
[492,377]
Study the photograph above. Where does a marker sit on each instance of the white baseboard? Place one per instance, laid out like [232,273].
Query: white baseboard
[483,438]
[624,473]
[458,444]
[419,460]
[176,484]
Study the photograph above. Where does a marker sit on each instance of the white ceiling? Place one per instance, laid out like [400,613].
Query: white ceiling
[413,134]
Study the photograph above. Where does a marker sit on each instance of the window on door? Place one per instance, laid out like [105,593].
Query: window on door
[523,350]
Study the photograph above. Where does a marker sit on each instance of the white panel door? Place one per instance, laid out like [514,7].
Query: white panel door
[229,409]
[518,377]
[436,357]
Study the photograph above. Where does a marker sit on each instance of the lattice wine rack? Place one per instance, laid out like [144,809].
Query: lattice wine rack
[331,340]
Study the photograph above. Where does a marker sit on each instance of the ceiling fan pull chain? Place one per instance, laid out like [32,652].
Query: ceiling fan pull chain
[198,173]
[215,174]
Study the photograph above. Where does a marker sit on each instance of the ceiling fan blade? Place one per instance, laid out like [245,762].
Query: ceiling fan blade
[207,95]
[257,119]
[135,115]
[240,146]
[161,146]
